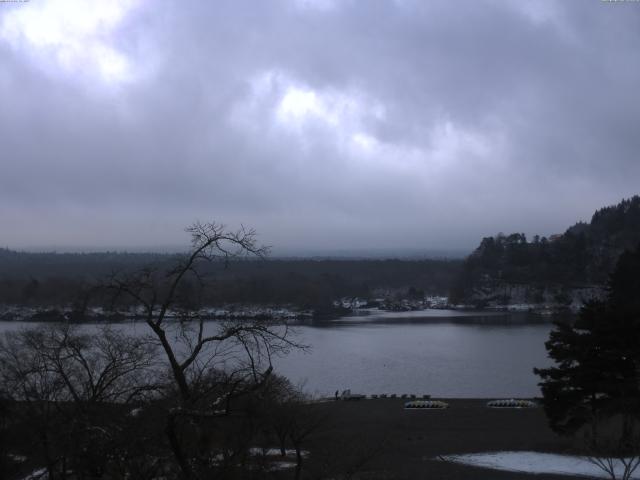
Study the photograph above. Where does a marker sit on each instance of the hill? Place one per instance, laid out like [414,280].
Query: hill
[562,270]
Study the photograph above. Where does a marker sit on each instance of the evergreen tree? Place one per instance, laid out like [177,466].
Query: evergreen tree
[584,255]
[597,372]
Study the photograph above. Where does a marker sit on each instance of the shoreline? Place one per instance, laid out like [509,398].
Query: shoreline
[411,442]
[290,314]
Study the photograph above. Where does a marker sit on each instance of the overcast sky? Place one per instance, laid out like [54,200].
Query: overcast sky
[322,124]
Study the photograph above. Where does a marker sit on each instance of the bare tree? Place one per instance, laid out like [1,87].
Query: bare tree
[211,364]
[613,445]
[616,466]
[304,422]
[6,462]
[64,382]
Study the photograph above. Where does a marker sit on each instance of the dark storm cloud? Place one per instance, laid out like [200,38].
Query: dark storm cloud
[323,124]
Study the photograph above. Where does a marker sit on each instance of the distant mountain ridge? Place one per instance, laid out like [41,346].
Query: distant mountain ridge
[509,269]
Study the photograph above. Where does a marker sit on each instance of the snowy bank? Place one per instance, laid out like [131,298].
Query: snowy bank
[535,462]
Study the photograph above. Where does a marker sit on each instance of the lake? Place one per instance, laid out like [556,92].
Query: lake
[438,352]
[442,353]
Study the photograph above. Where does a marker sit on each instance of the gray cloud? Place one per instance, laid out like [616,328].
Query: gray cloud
[323,124]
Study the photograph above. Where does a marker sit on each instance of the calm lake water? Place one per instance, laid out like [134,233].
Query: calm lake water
[438,352]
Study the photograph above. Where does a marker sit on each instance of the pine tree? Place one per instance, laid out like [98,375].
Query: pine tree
[597,371]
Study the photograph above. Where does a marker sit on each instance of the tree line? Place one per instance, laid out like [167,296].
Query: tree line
[65,279]
[583,256]
[183,398]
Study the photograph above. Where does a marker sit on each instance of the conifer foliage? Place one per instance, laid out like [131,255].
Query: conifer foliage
[597,371]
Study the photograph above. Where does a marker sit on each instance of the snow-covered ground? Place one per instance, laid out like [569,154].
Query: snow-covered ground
[275,452]
[39,474]
[535,462]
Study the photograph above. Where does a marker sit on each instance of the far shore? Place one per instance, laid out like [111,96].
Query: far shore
[459,314]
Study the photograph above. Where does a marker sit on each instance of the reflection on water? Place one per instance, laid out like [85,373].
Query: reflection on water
[438,352]
[437,315]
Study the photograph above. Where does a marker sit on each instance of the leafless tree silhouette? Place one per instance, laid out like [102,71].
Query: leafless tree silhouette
[211,364]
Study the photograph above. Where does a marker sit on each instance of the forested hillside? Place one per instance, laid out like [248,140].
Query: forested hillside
[504,269]
[51,279]
[549,269]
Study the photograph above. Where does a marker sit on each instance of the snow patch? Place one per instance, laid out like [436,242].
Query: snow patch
[275,452]
[535,462]
[39,474]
